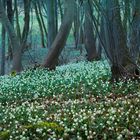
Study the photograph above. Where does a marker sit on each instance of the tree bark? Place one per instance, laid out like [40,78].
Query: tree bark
[40,24]
[135,31]
[3,51]
[89,38]
[60,40]
[17,20]
[16,48]
[52,24]
[122,63]
[3,37]
[26,27]
[10,14]
[42,19]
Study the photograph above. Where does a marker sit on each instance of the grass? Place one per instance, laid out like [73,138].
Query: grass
[76,101]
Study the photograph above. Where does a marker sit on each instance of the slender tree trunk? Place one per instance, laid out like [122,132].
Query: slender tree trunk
[81,30]
[17,20]
[60,9]
[60,40]
[10,14]
[3,36]
[101,32]
[126,15]
[52,24]
[3,51]
[16,48]
[89,34]
[135,31]
[42,19]
[77,25]
[26,27]
[40,24]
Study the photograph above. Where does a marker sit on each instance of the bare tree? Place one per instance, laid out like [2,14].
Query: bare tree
[89,38]
[16,48]
[61,38]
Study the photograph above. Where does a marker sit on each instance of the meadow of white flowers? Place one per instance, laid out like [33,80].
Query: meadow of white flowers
[76,101]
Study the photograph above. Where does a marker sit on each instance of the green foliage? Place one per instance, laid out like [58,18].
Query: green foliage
[70,79]
[13,73]
[51,125]
[81,78]
[44,127]
[4,135]
[76,101]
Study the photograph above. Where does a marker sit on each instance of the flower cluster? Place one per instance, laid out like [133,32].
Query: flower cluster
[76,101]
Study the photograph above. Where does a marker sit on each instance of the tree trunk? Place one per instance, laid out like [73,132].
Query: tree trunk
[3,51]
[60,9]
[122,64]
[126,15]
[10,14]
[40,24]
[135,31]
[89,38]
[42,19]
[17,20]
[3,35]
[16,48]
[26,23]
[52,24]
[60,40]
[76,25]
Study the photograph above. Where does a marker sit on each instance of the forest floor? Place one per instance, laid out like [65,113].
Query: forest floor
[36,55]
[77,101]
